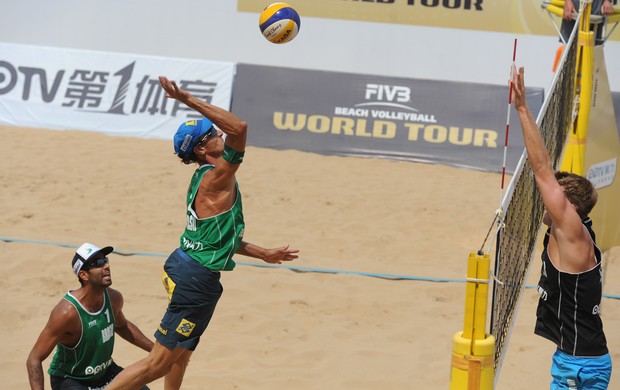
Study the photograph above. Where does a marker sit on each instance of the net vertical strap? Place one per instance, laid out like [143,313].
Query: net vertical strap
[523,208]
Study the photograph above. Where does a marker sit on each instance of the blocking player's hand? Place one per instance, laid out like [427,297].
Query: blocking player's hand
[518,87]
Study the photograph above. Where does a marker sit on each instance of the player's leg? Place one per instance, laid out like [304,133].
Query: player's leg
[60,383]
[174,378]
[154,366]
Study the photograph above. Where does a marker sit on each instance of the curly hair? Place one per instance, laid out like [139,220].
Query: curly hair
[190,159]
[579,191]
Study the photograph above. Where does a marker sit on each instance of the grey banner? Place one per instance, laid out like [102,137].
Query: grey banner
[459,124]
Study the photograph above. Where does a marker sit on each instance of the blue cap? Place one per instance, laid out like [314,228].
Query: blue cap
[188,134]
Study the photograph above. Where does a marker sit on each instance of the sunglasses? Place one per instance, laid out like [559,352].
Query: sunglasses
[210,133]
[100,262]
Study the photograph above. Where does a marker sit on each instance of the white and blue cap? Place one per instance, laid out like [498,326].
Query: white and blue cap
[86,253]
[188,134]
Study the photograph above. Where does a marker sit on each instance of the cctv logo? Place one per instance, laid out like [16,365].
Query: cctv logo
[389,93]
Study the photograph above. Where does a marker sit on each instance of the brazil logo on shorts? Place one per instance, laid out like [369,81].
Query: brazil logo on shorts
[185,327]
[169,284]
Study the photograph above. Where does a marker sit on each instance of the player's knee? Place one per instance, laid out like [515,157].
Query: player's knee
[183,361]
[160,368]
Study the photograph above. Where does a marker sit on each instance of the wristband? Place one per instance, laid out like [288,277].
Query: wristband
[232,156]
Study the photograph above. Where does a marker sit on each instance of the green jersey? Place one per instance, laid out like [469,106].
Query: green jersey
[92,355]
[212,241]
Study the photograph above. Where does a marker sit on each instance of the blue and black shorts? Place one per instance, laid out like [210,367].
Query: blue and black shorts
[193,292]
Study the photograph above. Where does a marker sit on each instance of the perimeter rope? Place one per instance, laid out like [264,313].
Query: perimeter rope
[394,277]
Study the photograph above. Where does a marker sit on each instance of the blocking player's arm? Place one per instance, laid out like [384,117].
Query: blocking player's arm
[60,329]
[125,328]
[564,217]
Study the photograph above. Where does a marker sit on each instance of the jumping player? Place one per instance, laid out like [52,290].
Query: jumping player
[213,234]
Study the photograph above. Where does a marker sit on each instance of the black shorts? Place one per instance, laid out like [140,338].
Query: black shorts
[60,383]
[193,291]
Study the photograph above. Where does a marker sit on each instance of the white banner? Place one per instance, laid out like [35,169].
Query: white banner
[112,93]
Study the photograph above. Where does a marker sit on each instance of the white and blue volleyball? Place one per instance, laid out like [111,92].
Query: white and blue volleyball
[279,23]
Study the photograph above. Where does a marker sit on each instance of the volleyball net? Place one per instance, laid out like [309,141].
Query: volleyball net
[520,216]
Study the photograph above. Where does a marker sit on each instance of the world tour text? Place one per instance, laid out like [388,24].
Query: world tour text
[381,129]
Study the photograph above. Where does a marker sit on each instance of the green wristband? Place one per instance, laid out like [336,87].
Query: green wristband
[232,156]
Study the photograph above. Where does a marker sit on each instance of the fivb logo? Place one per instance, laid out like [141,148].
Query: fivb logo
[388,93]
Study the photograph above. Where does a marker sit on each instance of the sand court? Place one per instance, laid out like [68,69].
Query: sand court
[274,328]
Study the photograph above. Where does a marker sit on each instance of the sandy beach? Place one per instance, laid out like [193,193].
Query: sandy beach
[274,328]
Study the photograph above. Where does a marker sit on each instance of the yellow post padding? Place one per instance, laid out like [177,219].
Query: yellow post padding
[476,291]
[473,350]
[574,155]
[554,9]
[472,371]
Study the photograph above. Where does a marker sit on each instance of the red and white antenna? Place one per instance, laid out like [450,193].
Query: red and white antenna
[499,213]
[512,70]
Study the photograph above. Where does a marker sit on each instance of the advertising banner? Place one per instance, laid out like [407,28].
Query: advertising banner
[513,16]
[459,124]
[602,155]
[110,93]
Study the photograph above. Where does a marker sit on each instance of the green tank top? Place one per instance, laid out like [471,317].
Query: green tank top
[212,241]
[92,355]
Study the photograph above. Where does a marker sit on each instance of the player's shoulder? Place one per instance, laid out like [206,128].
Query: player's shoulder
[64,312]
[570,224]
[116,298]
[114,294]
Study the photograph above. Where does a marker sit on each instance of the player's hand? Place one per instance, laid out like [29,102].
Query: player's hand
[569,8]
[518,87]
[278,255]
[607,8]
[173,91]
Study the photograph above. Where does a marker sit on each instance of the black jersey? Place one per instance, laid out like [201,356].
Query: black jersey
[569,305]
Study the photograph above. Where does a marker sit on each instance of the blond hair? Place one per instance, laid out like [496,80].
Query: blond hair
[579,191]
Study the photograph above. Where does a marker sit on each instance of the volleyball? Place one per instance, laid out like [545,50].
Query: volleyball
[279,23]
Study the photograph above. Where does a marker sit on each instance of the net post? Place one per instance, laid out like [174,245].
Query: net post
[574,156]
[473,349]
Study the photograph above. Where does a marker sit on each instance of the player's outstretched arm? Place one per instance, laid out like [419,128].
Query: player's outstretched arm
[268,255]
[553,196]
[574,242]
[229,123]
